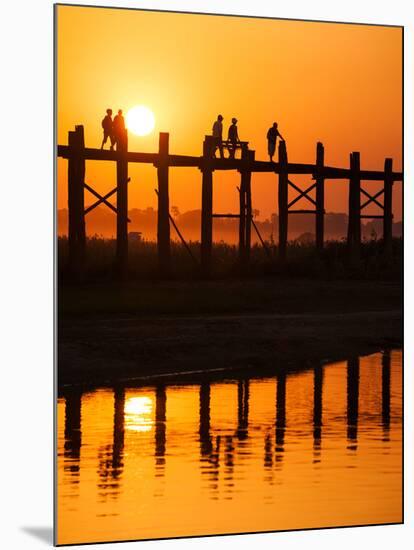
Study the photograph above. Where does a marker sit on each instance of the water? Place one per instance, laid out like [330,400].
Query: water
[322,447]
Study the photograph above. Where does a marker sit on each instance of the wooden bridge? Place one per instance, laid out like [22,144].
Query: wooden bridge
[77,155]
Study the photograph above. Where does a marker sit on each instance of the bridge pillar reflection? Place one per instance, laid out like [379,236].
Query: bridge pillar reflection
[160,424]
[317,408]
[386,393]
[352,401]
[243,409]
[280,415]
[206,445]
[119,432]
[73,433]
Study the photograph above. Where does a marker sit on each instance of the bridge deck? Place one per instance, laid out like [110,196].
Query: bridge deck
[328,172]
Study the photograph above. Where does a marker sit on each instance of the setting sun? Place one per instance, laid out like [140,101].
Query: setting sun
[140,120]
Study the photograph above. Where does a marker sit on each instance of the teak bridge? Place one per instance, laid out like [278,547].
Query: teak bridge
[207,163]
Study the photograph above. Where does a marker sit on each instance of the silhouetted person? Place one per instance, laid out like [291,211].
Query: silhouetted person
[218,136]
[107,126]
[233,137]
[118,127]
[272,135]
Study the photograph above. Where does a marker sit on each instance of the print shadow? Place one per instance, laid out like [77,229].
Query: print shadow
[45,534]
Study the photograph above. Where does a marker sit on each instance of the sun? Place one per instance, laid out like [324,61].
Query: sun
[140,120]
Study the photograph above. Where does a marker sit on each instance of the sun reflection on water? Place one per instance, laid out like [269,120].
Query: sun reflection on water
[138,413]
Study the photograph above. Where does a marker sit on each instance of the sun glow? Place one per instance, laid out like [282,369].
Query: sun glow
[140,120]
[138,414]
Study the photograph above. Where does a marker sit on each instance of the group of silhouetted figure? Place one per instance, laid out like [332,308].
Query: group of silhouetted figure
[113,129]
[233,140]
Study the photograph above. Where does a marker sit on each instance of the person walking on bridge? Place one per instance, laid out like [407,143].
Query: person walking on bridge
[118,128]
[107,126]
[218,136]
[233,137]
[272,135]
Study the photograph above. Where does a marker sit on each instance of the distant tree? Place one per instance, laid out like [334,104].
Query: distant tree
[175,212]
[274,218]
[306,238]
[256,213]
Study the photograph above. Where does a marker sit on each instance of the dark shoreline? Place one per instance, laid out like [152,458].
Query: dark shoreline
[115,332]
[191,345]
[211,375]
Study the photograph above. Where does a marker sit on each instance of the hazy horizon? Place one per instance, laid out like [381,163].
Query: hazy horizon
[102,222]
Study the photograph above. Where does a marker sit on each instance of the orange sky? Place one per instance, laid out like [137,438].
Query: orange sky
[337,83]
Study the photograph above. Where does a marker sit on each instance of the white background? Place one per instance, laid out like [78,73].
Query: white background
[26,272]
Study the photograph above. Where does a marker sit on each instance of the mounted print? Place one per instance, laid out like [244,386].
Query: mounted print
[229,267]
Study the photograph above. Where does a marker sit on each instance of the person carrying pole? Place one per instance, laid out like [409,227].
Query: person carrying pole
[218,136]
[118,127]
[233,137]
[272,135]
[107,126]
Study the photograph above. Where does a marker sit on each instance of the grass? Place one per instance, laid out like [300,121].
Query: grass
[302,261]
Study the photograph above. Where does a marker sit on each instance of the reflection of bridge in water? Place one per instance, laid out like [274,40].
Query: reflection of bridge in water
[216,451]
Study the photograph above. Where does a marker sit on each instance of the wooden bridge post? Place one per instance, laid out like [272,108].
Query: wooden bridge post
[354,215]
[320,197]
[245,220]
[249,213]
[122,206]
[207,206]
[283,199]
[76,202]
[242,221]
[163,227]
[387,228]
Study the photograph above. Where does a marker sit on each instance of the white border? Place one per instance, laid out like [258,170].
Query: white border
[26,229]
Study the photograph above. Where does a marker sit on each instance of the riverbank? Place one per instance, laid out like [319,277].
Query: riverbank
[107,334]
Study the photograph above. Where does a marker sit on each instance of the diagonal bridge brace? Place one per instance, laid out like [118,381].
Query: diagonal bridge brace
[102,199]
[372,198]
[302,194]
